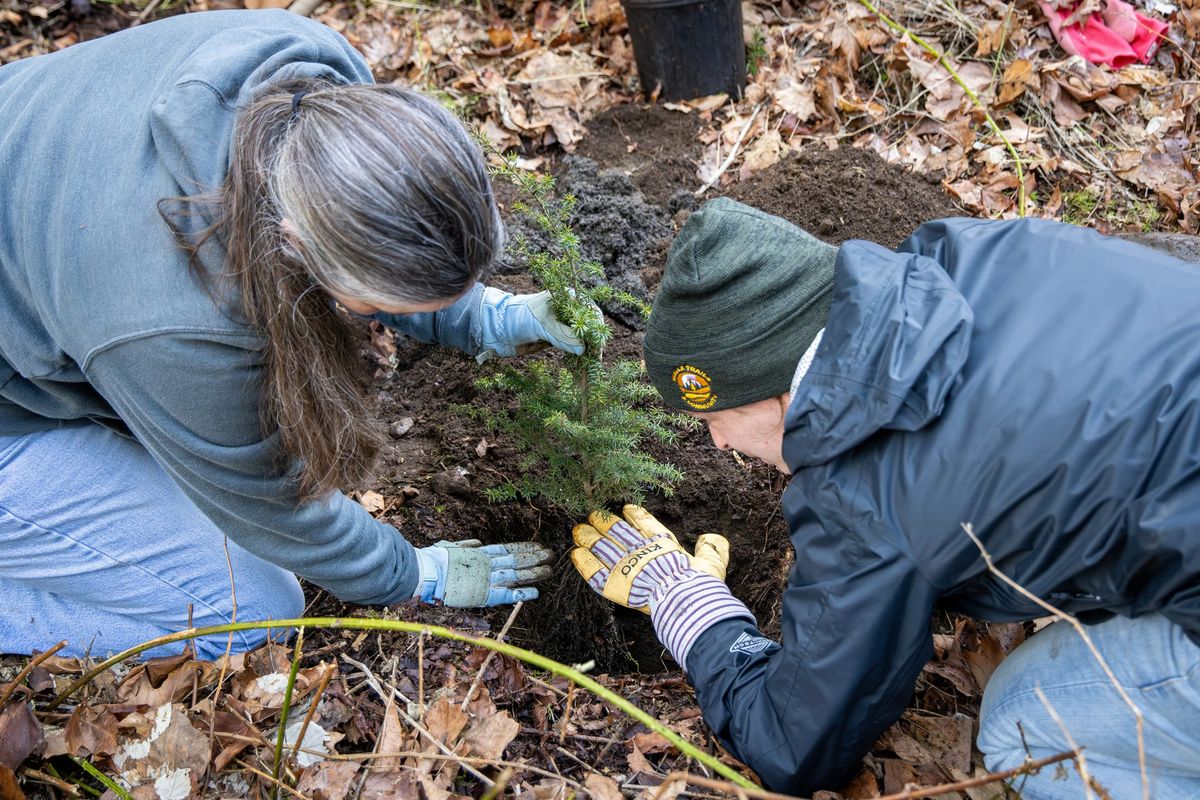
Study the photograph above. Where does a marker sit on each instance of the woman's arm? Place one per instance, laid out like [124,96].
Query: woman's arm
[192,400]
[488,322]
[457,325]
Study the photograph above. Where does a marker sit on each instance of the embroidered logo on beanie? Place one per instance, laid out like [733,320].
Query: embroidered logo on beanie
[695,387]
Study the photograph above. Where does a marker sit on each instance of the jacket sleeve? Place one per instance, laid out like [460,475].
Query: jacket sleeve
[855,636]
[457,325]
[192,401]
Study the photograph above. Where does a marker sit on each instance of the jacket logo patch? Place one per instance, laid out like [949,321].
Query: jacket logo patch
[694,386]
[750,644]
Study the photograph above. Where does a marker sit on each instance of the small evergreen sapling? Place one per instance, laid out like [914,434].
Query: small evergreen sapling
[579,427]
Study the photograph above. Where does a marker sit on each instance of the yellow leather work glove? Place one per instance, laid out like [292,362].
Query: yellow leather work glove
[635,561]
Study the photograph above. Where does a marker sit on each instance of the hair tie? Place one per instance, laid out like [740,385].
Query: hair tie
[296,98]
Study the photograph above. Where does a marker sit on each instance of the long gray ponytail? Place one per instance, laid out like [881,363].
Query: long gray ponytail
[388,202]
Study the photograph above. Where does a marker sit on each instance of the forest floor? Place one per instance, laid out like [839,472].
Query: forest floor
[840,113]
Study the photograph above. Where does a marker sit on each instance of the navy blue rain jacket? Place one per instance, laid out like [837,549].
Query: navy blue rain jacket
[1037,380]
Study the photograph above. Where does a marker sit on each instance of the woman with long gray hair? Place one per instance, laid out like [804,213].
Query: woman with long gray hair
[189,213]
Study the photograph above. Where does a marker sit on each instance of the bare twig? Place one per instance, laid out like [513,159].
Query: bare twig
[305,8]
[146,12]
[588,767]
[484,762]
[274,781]
[50,780]
[28,668]
[566,717]
[732,153]
[1028,767]
[1080,759]
[583,737]
[421,675]
[491,654]
[312,707]
[1083,634]
[501,784]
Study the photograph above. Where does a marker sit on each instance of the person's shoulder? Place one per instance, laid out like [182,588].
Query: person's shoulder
[239,19]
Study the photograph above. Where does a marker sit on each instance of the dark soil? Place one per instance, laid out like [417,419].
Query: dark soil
[656,148]
[846,194]
[843,194]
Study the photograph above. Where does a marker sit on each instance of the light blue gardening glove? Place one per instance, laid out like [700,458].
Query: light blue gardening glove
[512,324]
[467,574]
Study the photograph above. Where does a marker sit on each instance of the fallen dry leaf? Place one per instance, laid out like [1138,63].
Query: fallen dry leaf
[489,736]
[9,789]
[227,722]
[664,792]
[845,42]
[20,733]
[444,720]
[390,784]
[1018,77]
[602,787]
[329,780]
[651,742]
[373,502]
[637,760]
[863,787]
[946,740]
[157,686]
[391,738]
[172,756]
[990,37]
[798,98]
[91,731]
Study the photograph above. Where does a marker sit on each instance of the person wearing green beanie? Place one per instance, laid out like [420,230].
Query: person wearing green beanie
[744,296]
[1033,379]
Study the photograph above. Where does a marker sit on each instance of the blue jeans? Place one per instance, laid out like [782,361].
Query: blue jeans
[1156,664]
[98,546]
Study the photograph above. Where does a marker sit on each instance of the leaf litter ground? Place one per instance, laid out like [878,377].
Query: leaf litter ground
[1110,149]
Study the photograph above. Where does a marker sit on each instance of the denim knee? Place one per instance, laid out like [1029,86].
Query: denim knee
[275,595]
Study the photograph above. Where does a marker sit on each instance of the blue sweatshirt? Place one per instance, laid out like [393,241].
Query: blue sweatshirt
[100,318]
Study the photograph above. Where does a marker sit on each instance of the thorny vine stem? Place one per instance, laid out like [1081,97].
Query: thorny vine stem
[1083,634]
[945,62]
[283,713]
[529,657]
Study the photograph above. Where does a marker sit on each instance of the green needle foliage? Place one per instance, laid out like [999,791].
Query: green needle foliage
[580,427]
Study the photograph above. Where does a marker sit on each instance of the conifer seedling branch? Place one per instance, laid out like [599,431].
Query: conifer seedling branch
[581,427]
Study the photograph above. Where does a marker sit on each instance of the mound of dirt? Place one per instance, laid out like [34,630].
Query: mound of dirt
[846,194]
[656,148]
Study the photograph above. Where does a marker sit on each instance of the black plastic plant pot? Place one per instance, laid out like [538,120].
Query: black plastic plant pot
[688,48]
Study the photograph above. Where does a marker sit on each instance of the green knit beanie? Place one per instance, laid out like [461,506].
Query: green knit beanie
[743,295]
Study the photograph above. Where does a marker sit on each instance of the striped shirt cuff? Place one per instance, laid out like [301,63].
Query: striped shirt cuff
[683,610]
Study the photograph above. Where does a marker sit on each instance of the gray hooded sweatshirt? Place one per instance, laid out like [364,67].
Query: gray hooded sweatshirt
[100,318]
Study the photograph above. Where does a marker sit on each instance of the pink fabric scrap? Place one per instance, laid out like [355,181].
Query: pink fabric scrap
[1118,36]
